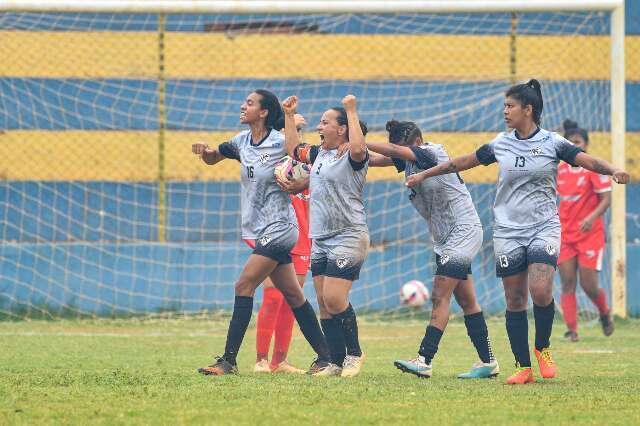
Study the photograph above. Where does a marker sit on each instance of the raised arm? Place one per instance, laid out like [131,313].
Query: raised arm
[208,155]
[601,167]
[358,147]
[376,160]
[455,165]
[392,151]
[291,139]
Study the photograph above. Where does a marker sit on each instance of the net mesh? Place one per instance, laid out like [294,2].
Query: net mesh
[104,210]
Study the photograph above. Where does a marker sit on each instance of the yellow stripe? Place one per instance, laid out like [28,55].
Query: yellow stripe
[132,156]
[307,56]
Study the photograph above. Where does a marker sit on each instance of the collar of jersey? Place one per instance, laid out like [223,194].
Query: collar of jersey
[250,136]
[540,134]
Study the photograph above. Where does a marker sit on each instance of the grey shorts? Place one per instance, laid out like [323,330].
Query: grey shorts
[455,254]
[340,256]
[516,249]
[276,242]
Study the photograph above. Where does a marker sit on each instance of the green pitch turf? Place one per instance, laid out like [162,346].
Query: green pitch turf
[144,372]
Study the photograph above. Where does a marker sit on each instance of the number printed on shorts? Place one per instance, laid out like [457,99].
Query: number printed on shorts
[503,260]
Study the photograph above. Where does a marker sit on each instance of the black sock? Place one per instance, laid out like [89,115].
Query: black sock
[242,310]
[349,324]
[430,341]
[518,332]
[335,339]
[543,317]
[479,335]
[308,323]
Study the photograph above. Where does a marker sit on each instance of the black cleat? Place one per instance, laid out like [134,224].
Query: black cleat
[571,336]
[607,324]
[219,368]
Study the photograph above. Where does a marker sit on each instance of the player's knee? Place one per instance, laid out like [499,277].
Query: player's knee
[244,287]
[439,299]
[516,301]
[541,295]
[569,284]
[335,304]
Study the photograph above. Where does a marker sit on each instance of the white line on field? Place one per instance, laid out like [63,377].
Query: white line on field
[593,351]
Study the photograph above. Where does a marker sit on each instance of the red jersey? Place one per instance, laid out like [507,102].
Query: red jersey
[578,189]
[301,206]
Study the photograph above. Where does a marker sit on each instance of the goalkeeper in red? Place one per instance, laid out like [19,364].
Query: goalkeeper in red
[584,197]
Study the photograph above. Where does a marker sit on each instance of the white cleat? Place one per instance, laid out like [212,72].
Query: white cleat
[262,366]
[352,365]
[285,367]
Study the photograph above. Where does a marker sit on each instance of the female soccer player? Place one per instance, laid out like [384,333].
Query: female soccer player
[526,234]
[267,219]
[456,232]
[338,222]
[275,315]
[584,197]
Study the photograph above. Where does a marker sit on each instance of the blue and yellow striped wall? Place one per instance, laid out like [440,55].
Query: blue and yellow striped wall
[80,119]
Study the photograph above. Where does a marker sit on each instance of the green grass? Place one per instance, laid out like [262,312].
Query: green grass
[143,372]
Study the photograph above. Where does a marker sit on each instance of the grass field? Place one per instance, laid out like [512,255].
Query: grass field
[143,372]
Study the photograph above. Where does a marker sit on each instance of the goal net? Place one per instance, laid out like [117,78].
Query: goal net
[105,211]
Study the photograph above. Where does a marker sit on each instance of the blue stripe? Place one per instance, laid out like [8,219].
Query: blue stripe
[198,211]
[483,23]
[74,104]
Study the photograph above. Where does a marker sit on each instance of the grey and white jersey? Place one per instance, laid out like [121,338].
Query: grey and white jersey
[336,188]
[526,192]
[444,201]
[265,207]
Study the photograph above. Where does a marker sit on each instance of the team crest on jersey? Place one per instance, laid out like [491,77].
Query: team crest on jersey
[342,262]
[264,158]
[551,249]
[590,253]
[536,151]
[265,240]
[444,259]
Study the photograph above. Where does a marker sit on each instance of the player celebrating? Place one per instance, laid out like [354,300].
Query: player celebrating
[338,222]
[275,315]
[456,232]
[584,197]
[267,219]
[527,228]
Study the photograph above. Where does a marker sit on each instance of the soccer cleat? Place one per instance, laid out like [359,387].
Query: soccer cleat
[481,370]
[219,368]
[571,336]
[352,365]
[548,368]
[322,369]
[607,324]
[521,376]
[285,367]
[262,366]
[414,366]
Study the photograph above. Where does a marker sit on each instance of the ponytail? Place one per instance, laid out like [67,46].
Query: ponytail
[529,93]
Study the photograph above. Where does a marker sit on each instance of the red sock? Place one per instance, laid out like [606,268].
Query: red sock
[271,301]
[284,328]
[601,302]
[568,302]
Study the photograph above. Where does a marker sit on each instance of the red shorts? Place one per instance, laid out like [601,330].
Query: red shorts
[300,262]
[589,248]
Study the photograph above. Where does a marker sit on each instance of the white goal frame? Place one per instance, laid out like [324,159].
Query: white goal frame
[616,7]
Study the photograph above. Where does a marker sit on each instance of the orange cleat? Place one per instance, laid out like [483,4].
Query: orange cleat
[522,376]
[548,367]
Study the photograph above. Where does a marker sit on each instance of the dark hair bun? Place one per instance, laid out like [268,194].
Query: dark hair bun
[391,125]
[569,124]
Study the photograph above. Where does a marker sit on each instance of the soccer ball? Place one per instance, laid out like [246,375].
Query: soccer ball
[290,169]
[414,294]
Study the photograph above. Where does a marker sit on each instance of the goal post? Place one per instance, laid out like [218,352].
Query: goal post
[151,101]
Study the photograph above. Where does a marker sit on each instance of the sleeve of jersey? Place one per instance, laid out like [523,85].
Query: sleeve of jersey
[358,165]
[486,155]
[400,164]
[229,150]
[601,183]
[425,158]
[567,151]
[306,153]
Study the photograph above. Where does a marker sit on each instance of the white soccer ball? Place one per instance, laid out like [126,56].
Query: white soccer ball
[414,294]
[290,169]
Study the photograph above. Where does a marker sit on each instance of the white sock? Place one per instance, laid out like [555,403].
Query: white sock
[421,359]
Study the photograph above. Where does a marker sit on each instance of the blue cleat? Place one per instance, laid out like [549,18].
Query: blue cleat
[480,370]
[415,367]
